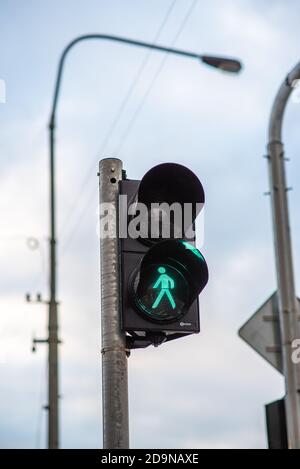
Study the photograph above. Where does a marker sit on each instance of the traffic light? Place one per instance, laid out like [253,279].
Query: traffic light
[162,272]
[276,425]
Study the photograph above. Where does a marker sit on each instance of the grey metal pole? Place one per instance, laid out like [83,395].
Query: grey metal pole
[53,437]
[114,354]
[288,304]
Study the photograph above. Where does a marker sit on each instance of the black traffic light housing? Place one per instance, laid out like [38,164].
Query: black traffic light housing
[276,425]
[161,278]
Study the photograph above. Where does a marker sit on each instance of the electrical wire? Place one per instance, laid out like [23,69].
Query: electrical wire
[81,216]
[40,277]
[118,116]
[144,98]
[137,112]
[34,244]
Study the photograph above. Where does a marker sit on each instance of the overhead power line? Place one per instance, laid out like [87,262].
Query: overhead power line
[146,94]
[129,127]
[91,169]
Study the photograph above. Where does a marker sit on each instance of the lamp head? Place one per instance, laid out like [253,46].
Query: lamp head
[222,63]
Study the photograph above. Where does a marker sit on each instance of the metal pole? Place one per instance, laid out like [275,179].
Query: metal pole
[53,437]
[114,354]
[288,304]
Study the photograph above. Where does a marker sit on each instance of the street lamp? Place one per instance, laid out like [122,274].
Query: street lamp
[225,64]
[288,303]
[222,63]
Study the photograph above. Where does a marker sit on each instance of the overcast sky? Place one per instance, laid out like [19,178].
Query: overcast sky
[206,391]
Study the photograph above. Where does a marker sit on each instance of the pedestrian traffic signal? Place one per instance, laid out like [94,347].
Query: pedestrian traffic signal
[151,298]
[276,425]
[164,286]
[162,272]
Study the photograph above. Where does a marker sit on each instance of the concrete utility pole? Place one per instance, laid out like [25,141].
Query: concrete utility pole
[114,354]
[288,304]
[53,427]
[52,341]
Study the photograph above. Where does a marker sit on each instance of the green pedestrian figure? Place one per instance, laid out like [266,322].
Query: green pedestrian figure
[165,282]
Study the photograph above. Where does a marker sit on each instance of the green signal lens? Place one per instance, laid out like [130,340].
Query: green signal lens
[163,294]
[166,283]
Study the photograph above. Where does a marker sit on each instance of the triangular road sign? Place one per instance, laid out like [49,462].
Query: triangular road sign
[262,332]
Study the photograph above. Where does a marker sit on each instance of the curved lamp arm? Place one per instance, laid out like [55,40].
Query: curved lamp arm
[288,302]
[280,102]
[225,64]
